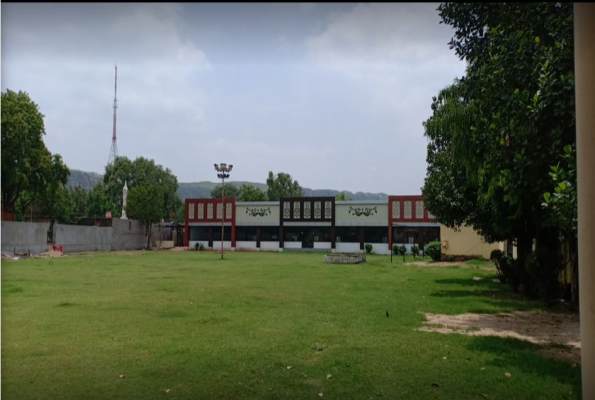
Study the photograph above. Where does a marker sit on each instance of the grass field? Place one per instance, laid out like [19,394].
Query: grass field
[206,328]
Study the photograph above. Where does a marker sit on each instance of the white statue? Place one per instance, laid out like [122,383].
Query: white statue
[124,195]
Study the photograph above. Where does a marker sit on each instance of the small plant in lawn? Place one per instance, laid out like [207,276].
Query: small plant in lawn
[201,247]
[433,250]
[196,245]
[395,249]
[402,250]
[368,248]
[415,250]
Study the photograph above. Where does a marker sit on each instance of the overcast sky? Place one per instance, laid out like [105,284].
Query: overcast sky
[333,94]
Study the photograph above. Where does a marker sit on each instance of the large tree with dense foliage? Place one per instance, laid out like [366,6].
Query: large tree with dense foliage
[282,185]
[231,191]
[146,204]
[137,173]
[251,193]
[30,173]
[495,133]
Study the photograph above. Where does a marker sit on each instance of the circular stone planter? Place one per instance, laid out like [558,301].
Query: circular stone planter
[344,258]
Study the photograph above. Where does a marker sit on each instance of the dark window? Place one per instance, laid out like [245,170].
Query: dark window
[200,233]
[269,234]
[376,235]
[246,234]
[347,234]
[217,233]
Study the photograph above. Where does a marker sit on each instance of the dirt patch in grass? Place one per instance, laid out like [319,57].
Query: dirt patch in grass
[558,333]
[447,264]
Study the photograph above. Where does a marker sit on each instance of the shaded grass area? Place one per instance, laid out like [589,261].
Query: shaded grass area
[228,329]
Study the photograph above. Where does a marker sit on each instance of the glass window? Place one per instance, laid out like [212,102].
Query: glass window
[200,233]
[269,234]
[246,233]
[375,235]
[347,234]
[217,233]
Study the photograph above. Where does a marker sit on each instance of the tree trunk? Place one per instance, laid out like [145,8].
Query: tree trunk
[149,236]
[524,248]
[573,252]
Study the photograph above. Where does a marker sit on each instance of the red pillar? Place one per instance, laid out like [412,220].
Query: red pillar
[186,227]
[390,224]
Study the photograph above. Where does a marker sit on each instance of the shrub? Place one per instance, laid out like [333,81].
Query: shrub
[451,258]
[201,247]
[503,265]
[395,249]
[196,245]
[402,250]
[433,250]
[415,250]
[368,248]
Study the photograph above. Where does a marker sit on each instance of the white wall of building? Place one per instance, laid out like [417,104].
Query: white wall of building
[322,245]
[245,245]
[343,247]
[269,246]
[292,245]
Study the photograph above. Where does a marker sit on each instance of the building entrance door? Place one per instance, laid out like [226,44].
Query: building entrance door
[308,239]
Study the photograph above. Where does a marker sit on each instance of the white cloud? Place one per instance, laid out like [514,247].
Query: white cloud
[64,55]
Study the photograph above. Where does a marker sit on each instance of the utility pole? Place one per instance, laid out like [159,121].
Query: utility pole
[223,172]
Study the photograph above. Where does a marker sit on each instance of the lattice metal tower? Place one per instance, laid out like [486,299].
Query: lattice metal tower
[113,154]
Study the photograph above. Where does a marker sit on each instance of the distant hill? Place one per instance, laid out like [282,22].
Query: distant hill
[203,189]
[86,180]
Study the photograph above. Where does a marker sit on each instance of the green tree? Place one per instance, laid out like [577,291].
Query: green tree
[282,185]
[30,173]
[80,199]
[251,193]
[146,204]
[231,191]
[495,133]
[137,173]
[98,203]
[341,197]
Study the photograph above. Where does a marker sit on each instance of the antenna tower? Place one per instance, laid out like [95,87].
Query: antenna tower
[113,153]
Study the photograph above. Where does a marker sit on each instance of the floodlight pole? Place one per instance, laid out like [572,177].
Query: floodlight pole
[223,172]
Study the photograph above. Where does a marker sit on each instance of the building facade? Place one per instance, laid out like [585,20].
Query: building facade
[316,223]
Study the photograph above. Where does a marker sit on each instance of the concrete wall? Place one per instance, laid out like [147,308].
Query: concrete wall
[23,237]
[83,238]
[269,246]
[128,235]
[465,243]
[245,245]
[345,247]
[379,248]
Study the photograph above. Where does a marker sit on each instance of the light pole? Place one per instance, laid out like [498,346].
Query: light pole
[223,172]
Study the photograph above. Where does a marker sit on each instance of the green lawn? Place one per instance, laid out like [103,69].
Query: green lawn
[211,329]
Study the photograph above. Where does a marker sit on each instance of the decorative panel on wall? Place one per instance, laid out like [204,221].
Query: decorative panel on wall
[210,211]
[307,210]
[219,210]
[396,209]
[201,211]
[286,210]
[191,211]
[317,209]
[228,210]
[328,213]
[407,213]
[419,209]
[296,209]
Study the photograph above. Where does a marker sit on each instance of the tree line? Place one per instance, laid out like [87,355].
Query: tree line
[501,151]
